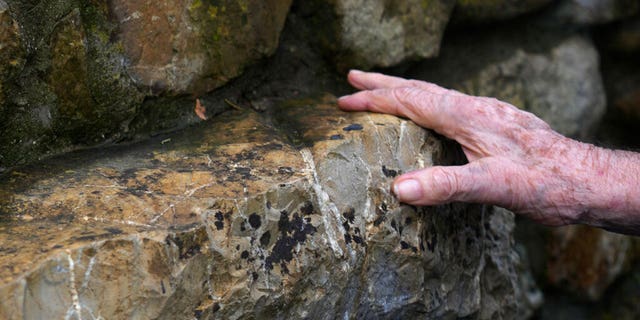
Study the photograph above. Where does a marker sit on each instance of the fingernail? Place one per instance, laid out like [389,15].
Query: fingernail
[344,98]
[356,71]
[408,190]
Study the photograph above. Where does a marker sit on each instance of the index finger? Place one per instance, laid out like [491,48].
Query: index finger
[440,112]
[372,80]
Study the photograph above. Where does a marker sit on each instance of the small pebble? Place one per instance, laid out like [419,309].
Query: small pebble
[352,127]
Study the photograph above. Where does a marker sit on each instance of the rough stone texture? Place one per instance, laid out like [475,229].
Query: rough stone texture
[97,71]
[585,260]
[555,76]
[196,46]
[590,12]
[72,90]
[275,215]
[379,33]
[480,11]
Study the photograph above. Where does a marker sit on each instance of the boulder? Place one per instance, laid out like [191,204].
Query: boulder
[553,75]
[478,11]
[366,34]
[282,214]
[92,65]
[195,46]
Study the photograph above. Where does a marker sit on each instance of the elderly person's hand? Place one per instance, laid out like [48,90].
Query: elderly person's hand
[515,159]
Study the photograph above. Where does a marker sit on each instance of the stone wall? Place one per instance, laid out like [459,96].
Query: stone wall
[277,206]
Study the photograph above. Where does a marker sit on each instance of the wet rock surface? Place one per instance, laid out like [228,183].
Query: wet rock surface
[277,214]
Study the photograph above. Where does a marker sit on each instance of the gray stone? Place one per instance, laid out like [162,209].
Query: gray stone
[554,76]
[280,215]
[366,34]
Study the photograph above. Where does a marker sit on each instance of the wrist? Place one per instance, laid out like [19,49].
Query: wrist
[612,189]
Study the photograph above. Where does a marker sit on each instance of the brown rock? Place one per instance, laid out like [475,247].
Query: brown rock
[279,215]
[195,46]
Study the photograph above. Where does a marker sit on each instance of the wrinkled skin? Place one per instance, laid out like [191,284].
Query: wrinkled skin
[515,159]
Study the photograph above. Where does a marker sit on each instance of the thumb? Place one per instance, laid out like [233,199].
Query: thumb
[439,185]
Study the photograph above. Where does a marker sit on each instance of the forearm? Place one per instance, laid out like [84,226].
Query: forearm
[613,198]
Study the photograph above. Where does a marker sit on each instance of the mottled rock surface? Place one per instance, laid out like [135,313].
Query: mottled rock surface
[195,46]
[284,214]
[555,76]
[378,33]
[81,73]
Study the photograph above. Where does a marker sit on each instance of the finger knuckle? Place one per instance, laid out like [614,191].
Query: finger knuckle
[408,96]
[446,184]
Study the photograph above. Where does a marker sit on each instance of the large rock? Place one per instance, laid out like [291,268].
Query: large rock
[366,34]
[195,46]
[92,65]
[555,76]
[277,215]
